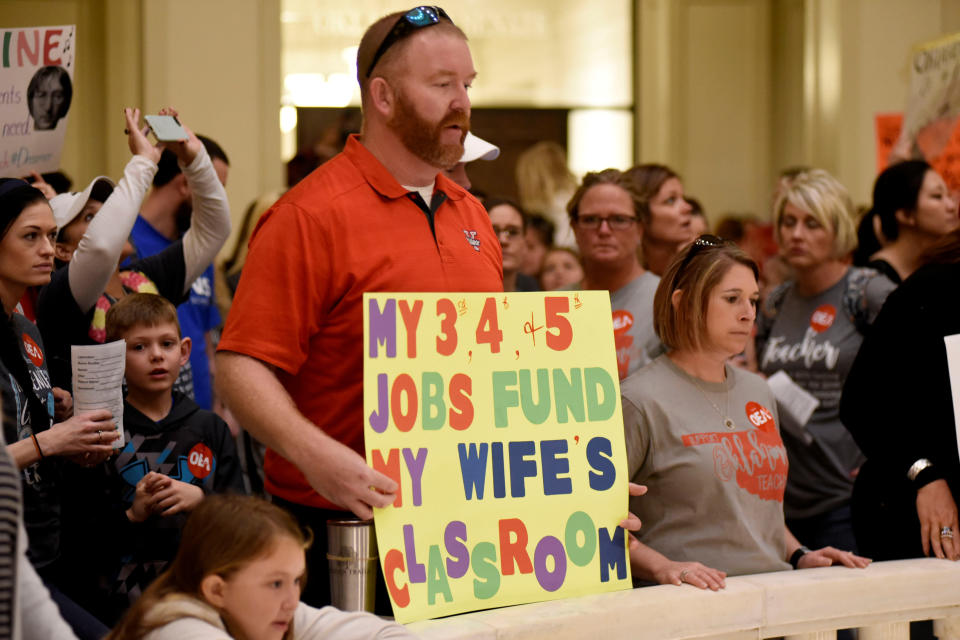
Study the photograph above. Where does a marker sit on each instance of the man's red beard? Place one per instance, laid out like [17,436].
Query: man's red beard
[423,138]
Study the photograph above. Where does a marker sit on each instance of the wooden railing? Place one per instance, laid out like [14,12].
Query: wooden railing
[810,604]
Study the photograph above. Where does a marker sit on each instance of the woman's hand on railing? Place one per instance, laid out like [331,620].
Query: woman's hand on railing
[693,573]
[829,556]
[937,510]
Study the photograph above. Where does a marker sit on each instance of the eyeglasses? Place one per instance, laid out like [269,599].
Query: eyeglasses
[703,242]
[409,22]
[615,222]
[510,232]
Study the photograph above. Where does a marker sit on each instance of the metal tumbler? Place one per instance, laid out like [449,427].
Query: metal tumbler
[352,557]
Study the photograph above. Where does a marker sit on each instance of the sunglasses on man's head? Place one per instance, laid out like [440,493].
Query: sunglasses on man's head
[416,18]
[703,242]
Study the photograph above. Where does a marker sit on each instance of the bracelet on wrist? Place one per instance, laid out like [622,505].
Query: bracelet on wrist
[918,466]
[36,443]
[796,555]
[925,477]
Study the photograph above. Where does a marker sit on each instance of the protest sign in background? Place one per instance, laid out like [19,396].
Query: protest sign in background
[36,89]
[946,162]
[499,416]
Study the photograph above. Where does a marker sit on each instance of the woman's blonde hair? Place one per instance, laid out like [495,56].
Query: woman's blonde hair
[222,535]
[819,194]
[542,173]
[695,271]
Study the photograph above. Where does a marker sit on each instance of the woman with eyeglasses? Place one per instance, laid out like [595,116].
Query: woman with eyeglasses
[668,223]
[704,436]
[604,214]
[810,328]
[510,223]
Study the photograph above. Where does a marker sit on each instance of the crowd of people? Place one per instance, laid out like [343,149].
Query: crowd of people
[800,400]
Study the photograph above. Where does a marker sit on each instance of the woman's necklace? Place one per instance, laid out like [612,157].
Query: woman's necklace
[727,422]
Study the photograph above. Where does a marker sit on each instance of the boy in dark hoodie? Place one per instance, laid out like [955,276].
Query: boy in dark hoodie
[174,454]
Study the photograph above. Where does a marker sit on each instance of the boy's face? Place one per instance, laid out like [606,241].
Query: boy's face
[154,356]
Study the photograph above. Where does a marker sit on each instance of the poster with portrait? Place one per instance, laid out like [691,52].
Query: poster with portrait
[499,417]
[36,90]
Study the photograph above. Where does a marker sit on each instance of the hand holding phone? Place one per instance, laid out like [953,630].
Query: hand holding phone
[166,128]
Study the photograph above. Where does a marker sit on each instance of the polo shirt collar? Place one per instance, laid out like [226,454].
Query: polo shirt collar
[383,181]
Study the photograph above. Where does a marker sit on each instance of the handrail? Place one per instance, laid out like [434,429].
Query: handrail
[807,604]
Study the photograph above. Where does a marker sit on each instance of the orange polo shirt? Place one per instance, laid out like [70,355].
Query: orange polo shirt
[349,227]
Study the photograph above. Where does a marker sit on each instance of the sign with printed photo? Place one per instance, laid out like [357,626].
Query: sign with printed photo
[36,89]
[499,417]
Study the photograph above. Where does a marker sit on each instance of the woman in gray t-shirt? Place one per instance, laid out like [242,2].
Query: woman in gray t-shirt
[703,435]
[811,328]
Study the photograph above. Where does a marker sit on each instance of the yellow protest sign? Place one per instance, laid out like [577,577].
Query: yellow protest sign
[499,417]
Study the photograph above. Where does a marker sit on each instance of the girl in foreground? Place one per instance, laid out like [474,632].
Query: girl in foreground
[703,434]
[238,574]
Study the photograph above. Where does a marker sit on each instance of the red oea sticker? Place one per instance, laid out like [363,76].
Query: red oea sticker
[33,350]
[823,317]
[200,461]
[759,416]
[622,321]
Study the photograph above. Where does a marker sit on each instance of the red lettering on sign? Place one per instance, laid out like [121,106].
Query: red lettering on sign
[51,42]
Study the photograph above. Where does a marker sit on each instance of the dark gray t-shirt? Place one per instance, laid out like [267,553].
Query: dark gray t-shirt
[716,491]
[815,340]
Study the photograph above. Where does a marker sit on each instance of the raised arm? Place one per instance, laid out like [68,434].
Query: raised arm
[98,252]
[210,223]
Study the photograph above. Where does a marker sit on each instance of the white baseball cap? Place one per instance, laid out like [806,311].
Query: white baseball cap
[67,206]
[475,148]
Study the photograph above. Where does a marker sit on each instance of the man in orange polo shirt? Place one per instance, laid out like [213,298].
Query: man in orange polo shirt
[377,217]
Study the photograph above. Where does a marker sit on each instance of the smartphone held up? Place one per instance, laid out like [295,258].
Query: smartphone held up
[166,128]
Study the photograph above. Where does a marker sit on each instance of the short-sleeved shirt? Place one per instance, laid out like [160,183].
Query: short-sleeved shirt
[636,341]
[346,229]
[197,315]
[716,491]
[814,339]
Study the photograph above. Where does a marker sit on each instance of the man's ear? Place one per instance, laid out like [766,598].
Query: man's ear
[212,589]
[382,96]
[185,346]
[183,189]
